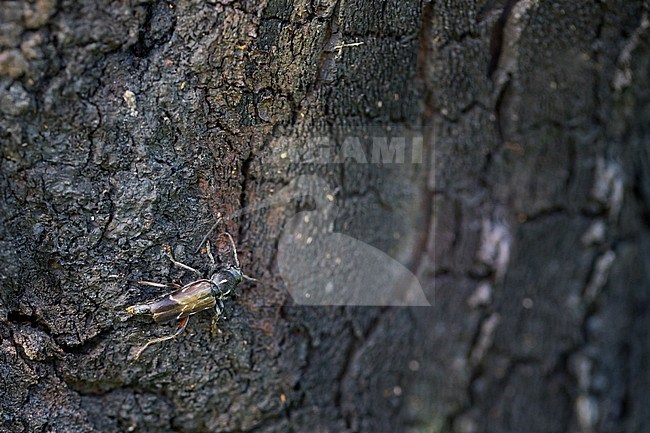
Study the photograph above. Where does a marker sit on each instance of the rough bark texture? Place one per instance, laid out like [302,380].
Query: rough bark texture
[129,125]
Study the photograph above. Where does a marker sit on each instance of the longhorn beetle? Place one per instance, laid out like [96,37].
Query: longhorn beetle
[199,295]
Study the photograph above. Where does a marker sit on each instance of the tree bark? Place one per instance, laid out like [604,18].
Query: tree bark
[129,126]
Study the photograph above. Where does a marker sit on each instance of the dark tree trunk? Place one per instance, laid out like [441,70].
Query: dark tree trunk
[129,126]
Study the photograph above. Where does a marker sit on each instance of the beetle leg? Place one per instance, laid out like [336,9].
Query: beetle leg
[161,285]
[182,325]
[180,328]
[179,264]
[147,283]
[208,250]
[213,328]
[218,310]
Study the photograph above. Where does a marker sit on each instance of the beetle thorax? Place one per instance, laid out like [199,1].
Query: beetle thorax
[226,279]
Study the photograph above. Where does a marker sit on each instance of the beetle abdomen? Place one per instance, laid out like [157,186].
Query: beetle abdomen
[139,309]
[191,298]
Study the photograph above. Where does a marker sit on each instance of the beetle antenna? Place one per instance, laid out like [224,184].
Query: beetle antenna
[205,238]
[208,249]
[234,249]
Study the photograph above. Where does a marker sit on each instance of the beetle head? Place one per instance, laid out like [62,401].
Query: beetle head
[236,274]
